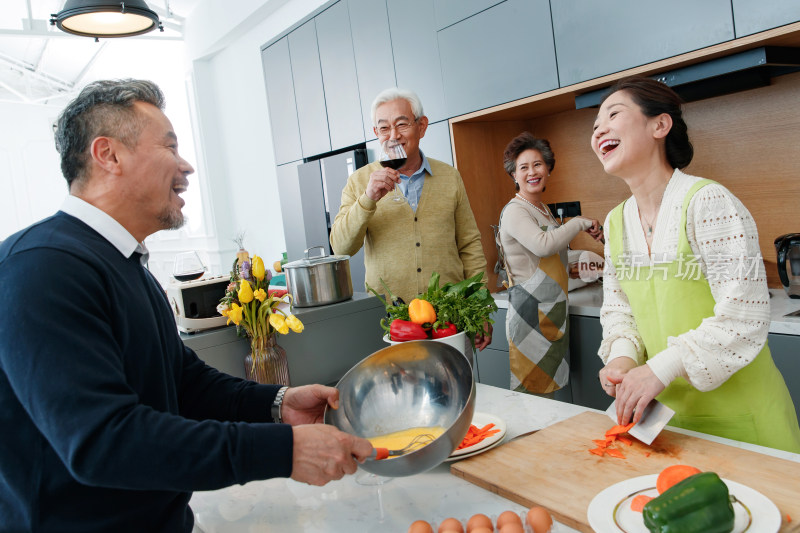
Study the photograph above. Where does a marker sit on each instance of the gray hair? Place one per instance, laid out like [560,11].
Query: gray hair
[395,93]
[102,109]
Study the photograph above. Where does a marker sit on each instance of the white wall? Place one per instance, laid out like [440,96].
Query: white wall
[31,185]
[225,53]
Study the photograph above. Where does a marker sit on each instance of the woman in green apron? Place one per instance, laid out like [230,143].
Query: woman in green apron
[685,302]
[534,247]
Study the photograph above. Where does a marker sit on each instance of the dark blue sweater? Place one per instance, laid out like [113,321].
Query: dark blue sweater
[108,420]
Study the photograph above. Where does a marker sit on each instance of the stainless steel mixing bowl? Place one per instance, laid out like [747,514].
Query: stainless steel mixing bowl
[408,385]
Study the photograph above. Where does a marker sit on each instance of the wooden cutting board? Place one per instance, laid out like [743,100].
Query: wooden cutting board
[553,468]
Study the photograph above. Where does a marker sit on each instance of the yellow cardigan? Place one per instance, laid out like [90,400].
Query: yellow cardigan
[402,247]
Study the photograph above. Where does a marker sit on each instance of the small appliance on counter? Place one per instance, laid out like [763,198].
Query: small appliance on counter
[788,248]
[195,303]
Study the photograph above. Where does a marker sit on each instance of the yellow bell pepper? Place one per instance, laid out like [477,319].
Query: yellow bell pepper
[421,312]
[277,321]
[257,265]
[245,292]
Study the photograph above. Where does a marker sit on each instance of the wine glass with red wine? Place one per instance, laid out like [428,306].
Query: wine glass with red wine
[188,266]
[393,156]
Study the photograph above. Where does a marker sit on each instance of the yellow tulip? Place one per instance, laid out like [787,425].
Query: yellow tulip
[257,266]
[279,323]
[294,323]
[245,292]
[260,295]
[234,313]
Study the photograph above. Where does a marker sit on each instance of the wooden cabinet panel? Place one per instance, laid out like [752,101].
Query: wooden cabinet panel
[416,53]
[372,46]
[592,39]
[308,89]
[339,77]
[449,12]
[281,101]
[753,16]
[499,55]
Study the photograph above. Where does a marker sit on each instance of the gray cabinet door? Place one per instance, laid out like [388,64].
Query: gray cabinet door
[308,90]
[294,229]
[499,55]
[416,53]
[753,16]
[436,143]
[339,76]
[281,102]
[785,351]
[593,39]
[449,12]
[585,334]
[372,46]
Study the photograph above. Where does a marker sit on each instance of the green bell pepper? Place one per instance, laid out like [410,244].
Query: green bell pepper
[700,503]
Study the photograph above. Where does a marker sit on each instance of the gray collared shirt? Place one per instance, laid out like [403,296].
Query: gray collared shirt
[106,226]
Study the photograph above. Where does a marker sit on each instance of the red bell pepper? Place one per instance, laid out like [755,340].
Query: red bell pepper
[448,330]
[403,330]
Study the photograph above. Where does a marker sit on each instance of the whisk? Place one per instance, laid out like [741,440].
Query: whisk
[419,441]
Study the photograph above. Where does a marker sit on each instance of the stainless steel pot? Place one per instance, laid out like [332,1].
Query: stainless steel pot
[321,280]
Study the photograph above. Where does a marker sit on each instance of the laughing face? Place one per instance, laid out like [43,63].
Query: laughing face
[531,174]
[620,133]
[158,174]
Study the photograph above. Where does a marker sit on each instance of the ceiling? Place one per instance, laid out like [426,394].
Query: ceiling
[39,63]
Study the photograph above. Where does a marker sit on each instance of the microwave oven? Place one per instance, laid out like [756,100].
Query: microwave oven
[194,303]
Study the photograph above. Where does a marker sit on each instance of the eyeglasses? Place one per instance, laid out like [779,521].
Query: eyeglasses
[401,127]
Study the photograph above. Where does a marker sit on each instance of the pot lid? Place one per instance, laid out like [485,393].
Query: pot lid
[318,260]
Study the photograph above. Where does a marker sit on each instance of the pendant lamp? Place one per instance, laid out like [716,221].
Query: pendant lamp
[106,18]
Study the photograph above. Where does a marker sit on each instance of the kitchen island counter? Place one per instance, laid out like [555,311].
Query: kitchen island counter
[344,505]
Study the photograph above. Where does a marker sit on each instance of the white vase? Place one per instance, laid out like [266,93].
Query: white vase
[459,341]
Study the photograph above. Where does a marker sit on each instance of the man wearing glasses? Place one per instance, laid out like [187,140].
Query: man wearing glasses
[433,230]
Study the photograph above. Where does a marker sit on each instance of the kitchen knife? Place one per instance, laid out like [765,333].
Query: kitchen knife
[656,415]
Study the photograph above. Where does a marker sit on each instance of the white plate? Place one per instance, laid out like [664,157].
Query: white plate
[610,511]
[480,420]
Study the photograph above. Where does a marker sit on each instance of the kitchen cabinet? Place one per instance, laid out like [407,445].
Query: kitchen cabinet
[436,143]
[753,16]
[339,77]
[416,53]
[592,40]
[281,101]
[585,335]
[785,351]
[448,12]
[501,54]
[335,338]
[308,89]
[372,47]
[294,227]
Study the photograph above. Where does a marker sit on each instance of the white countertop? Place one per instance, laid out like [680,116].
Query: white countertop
[587,301]
[344,505]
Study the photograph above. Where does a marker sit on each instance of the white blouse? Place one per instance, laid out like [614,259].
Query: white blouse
[723,236]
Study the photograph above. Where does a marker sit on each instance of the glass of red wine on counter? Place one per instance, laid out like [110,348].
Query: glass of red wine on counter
[188,266]
[393,156]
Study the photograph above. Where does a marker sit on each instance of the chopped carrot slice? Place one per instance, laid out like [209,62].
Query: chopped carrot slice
[638,502]
[788,518]
[616,430]
[475,435]
[601,443]
[613,452]
[624,440]
[647,454]
[598,451]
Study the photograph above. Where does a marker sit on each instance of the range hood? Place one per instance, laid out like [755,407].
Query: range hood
[737,72]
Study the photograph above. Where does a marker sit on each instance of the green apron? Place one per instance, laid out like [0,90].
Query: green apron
[667,300]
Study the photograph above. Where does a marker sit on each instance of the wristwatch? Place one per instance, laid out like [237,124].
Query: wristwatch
[275,410]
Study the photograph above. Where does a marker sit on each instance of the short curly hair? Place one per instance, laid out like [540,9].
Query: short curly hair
[102,109]
[520,143]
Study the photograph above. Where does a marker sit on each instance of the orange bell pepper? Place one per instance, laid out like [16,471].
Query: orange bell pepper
[421,312]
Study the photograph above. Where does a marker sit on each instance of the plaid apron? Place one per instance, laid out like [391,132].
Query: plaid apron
[537,326]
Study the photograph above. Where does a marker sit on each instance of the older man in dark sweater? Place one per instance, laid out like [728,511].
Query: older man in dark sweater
[109,421]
